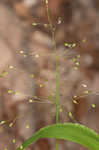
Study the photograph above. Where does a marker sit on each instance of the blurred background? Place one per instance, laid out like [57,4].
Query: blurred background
[27,69]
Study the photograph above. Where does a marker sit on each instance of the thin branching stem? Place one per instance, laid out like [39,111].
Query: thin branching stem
[52,29]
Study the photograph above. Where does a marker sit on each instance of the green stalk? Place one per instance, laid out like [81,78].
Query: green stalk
[57,96]
[57,90]
[57,73]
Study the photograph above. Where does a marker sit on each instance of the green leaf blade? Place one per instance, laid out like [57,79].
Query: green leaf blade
[68,131]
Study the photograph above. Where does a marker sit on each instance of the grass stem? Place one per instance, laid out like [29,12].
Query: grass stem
[52,29]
